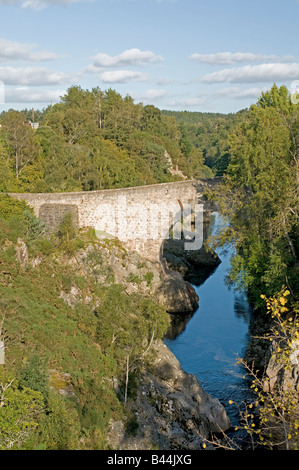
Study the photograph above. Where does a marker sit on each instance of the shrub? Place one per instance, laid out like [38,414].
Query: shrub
[34,376]
[20,409]
[10,207]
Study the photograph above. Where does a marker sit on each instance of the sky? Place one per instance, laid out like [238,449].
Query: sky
[185,55]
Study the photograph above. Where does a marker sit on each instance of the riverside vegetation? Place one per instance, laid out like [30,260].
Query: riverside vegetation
[80,332]
[56,317]
[260,197]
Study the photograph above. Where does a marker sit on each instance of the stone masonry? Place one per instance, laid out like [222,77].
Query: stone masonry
[140,216]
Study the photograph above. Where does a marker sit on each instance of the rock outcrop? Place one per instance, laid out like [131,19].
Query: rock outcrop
[109,262]
[172,411]
[176,294]
[22,253]
[195,266]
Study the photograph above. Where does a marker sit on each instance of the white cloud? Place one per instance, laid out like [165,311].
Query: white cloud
[28,95]
[154,94]
[123,76]
[11,50]
[250,93]
[229,58]
[164,82]
[188,102]
[208,99]
[127,58]
[255,73]
[38,4]
[237,93]
[33,76]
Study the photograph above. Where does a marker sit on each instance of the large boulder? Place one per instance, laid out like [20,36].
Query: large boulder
[171,409]
[176,294]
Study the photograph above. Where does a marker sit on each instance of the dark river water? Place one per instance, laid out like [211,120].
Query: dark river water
[215,335]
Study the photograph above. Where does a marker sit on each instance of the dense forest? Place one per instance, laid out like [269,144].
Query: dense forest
[97,140]
[209,133]
[260,195]
[94,140]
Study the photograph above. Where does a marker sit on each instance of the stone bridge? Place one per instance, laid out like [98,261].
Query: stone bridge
[140,216]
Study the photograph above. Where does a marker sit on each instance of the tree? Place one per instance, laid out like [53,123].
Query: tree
[275,421]
[129,327]
[21,140]
[6,175]
[260,196]
[19,412]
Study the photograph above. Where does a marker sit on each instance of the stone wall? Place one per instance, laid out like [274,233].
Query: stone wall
[52,215]
[137,216]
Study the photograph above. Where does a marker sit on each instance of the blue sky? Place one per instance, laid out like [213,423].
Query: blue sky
[195,55]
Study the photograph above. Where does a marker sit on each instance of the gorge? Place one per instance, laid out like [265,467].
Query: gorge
[175,284]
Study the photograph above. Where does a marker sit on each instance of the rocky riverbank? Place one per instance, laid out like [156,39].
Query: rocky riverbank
[195,266]
[171,410]
[108,262]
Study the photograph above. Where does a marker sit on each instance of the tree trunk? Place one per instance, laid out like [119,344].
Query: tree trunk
[127,379]
[17,165]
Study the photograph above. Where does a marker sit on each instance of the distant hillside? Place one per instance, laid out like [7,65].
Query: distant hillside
[209,132]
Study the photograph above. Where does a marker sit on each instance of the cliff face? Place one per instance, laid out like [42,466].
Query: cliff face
[115,264]
[171,409]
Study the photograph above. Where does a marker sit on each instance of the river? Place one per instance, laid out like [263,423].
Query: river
[215,336]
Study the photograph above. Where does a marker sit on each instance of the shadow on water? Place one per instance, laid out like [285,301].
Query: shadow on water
[209,342]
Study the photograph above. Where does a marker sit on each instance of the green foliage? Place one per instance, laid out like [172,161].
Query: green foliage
[67,234]
[260,196]
[67,228]
[88,339]
[10,207]
[97,140]
[275,422]
[118,319]
[34,376]
[34,227]
[23,163]
[207,133]
[20,409]
[148,277]
[58,429]
[43,246]
[134,278]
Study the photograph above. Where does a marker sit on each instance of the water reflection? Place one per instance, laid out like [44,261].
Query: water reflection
[177,326]
[242,308]
[209,342]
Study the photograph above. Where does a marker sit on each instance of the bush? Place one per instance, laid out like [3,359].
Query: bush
[10,207]
[67,235]
[34,227]
[59,427]
[34,376]
[20,409]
